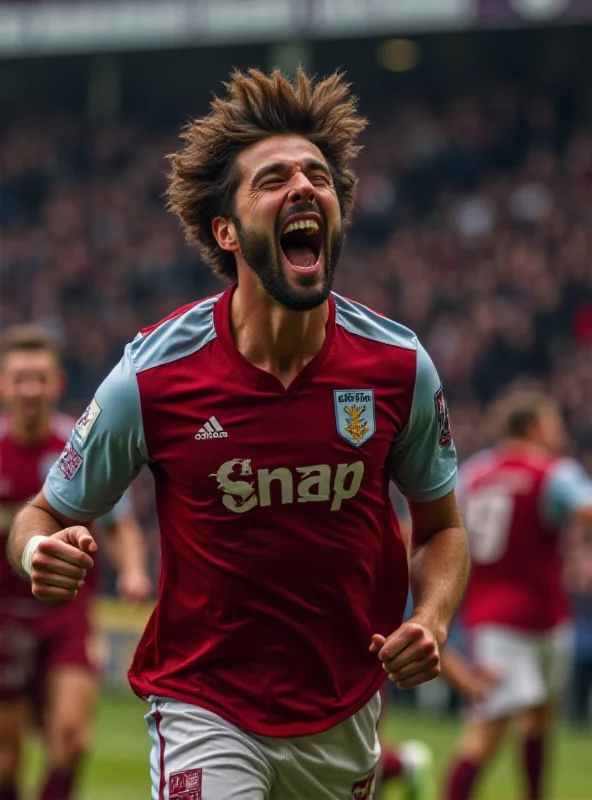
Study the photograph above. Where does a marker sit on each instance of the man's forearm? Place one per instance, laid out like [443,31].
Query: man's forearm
[125,547]
[30,521]
[439,569]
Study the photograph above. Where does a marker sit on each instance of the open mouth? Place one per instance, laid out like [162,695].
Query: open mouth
[302,242]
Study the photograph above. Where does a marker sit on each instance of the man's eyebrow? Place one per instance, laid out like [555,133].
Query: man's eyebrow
[314,163]
[281,166]
[268,169]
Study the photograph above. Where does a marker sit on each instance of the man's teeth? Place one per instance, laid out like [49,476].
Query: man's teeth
[303,224]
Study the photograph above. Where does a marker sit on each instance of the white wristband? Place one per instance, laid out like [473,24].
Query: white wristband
[29,552]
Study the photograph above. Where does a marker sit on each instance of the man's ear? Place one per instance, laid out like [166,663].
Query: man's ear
[225,232]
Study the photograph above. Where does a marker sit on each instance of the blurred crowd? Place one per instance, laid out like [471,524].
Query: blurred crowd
[473,226]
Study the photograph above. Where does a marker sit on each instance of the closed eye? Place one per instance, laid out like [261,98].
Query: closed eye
[272,183]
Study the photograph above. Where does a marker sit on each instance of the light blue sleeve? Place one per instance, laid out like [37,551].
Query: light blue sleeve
[567,488]
[123,508]
[423,457]
[105,452]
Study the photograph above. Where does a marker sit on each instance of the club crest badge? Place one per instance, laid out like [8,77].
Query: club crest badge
[354,415]
[186,785]
[444,434]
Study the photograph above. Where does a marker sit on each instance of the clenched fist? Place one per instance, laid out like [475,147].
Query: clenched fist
[410,655]
[60,563]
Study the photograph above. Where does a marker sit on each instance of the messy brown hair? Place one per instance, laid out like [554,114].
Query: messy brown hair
[518,409]
[204,175]
[30,338]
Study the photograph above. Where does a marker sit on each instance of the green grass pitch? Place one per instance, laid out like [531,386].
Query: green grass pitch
[118,768]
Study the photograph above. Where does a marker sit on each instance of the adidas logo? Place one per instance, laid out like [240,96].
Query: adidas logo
[211,430]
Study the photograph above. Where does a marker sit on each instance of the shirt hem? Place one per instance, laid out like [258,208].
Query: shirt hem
[144,689]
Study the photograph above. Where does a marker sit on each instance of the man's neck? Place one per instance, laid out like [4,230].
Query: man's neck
[272,337]
[23,434]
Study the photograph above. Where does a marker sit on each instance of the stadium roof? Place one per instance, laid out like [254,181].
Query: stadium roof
[44,27]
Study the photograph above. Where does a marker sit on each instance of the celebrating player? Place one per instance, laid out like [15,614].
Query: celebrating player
[48,659]
[516,499]
[273,417]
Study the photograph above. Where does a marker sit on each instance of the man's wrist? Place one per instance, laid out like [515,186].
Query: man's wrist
[29,552]
[134,570]
[438,627]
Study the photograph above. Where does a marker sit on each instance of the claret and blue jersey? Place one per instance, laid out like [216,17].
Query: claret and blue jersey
[279,543]
[516,501]
[23,469]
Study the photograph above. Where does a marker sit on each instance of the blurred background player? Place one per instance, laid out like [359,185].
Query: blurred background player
[49,657]
[517,498]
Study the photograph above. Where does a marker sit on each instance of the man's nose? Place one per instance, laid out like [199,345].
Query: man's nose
[301,190]
[32,389]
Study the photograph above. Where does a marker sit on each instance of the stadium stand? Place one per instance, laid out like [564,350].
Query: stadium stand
[472,223]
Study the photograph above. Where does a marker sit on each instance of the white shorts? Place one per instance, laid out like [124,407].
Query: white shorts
[198,755]
[533,667]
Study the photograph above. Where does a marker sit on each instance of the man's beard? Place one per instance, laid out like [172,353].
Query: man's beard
[30,423]
[261,255]
[34,420]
